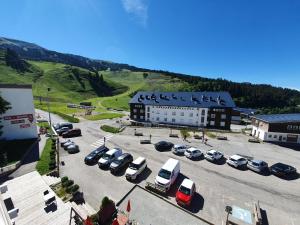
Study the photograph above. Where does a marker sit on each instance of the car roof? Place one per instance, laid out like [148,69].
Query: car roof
[112,151]
[179,145]
[236,157]
[139,160]
[213,151]
[257,161]
[187,183]
[193,149]
[123,155]
[171,163]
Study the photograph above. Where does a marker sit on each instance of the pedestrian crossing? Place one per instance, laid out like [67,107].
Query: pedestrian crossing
[100,142]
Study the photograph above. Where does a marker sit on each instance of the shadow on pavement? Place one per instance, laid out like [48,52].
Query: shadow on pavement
[264,216]
[197,203]
[290,177]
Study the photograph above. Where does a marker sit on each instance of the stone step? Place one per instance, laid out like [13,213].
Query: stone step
[49,180]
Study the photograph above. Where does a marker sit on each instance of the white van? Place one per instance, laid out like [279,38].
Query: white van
[168,174]
[108,157]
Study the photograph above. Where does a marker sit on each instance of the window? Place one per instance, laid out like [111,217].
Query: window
[275,136]
[157,118]
[222,124]
[191,114]
[165,119]
[135,110]
[182,114]
[270,135]
[212,123]
[173,120]
[203,112]
[202,119]
[213,116]
[134,116]
[157,112]
[141,117]
[223,116]
[148,109]
[173,113]
[148,115]
[142,111]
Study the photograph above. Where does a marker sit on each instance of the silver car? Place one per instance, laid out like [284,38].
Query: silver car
[179,149]
[257,165]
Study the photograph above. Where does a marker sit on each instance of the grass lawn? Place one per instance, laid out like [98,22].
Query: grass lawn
[103,116]
[43,164]
[110,129]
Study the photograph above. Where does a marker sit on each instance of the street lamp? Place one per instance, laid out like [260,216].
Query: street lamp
[48,90]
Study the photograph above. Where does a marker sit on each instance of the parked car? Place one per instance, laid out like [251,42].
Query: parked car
[163,146]
[62,143]
[95,155]
[72,149]
[258,166]
[72,133]
[64,124]
[213,155]
[193,153]
[68,144]
[108,157]
[282,170]
[237,161]
[121,162]
[168,174]
[186,192]
[179,149]
[62,130]
[135,168]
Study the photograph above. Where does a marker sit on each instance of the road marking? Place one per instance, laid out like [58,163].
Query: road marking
[100,142]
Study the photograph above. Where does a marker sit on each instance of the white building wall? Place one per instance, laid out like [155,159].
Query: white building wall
[176,115]
[271,136]
[19,121]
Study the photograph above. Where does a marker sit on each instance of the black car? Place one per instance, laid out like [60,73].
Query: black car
[62,130]
[72,133]
[281,170]
[163,146]
[95,155]
[121,162]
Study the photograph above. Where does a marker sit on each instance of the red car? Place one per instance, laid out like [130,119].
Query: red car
[185,193]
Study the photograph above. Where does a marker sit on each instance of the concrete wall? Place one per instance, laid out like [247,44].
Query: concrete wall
[18,122]
[164,114]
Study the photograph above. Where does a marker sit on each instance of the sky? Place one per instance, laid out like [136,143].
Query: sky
[240,40]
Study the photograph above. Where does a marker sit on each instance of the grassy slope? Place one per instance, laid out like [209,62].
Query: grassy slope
[43,164]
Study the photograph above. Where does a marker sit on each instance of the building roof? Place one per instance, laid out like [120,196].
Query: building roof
[279,118]
[246,111]
[185,99]
[21,86]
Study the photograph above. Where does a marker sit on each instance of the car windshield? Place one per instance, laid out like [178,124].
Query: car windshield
[255,163]
[185,190]
[134,166]
[209,153]
[232,159]
[106,156]
[164,174]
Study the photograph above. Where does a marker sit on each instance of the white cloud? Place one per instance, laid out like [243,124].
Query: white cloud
[137,8]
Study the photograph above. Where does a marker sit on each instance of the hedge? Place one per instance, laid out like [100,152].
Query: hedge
[110,129]
[67,117]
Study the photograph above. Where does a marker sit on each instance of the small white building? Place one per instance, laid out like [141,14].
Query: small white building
[282,128]
[19,121]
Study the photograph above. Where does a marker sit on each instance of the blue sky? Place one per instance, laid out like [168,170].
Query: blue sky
[241,40]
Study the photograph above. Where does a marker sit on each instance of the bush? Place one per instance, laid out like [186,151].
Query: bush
[64,179]
[52,157]
[52,166]
[68,183]
[110,129]
[75,188]
[52,152]
[69,189]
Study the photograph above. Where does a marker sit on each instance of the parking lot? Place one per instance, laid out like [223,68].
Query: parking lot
[217,185]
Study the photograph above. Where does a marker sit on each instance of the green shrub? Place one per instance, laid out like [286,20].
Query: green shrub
[52,152]
[68,183]
[69,189]
[110,129]
[52,166]
[52,157]
[75,188]
[64,179]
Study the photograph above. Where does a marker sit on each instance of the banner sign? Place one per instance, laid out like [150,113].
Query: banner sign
[23,116]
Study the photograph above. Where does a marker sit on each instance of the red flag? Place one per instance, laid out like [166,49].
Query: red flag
[128,206]
[88,221]
[115,222]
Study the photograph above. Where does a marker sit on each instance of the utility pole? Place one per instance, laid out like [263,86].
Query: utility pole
[48,90]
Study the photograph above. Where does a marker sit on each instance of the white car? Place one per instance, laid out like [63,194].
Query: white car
[237,161]
[192,153]
[213,155]
[179,149]
[135,168]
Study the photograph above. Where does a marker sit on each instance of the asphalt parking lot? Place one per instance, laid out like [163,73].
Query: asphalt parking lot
[217,185]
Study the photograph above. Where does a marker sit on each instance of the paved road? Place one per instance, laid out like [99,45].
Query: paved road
[217,185]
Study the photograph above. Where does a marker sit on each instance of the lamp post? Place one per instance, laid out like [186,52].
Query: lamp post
[48,90]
